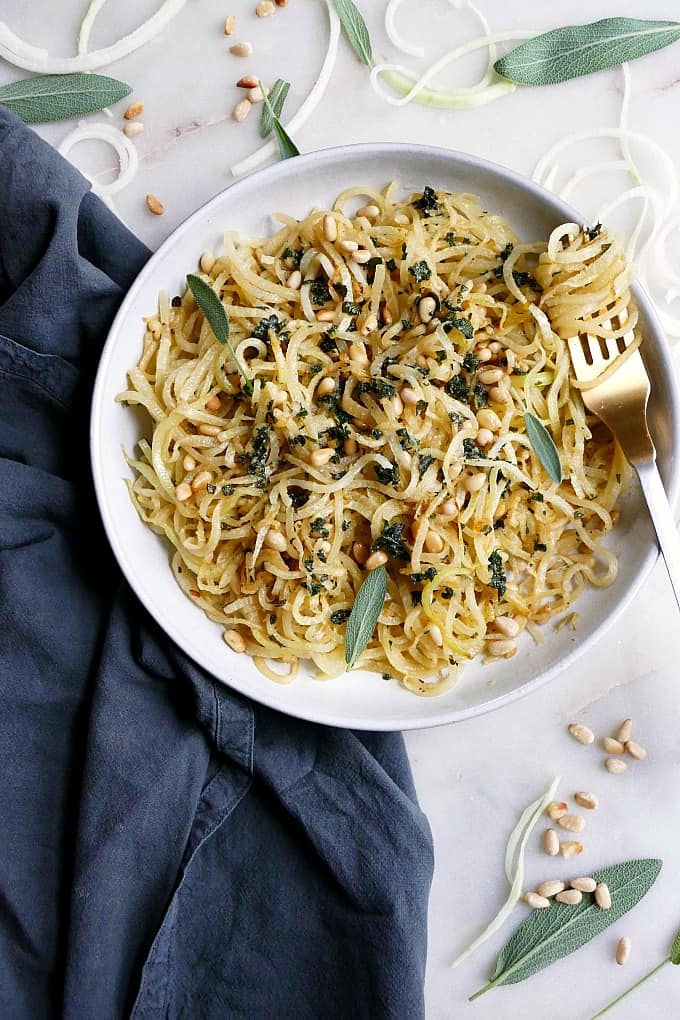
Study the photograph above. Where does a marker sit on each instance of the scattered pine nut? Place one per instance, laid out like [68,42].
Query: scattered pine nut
[615,766]
[214,404]
[241,110]
[624,732]
[189,463]
[361,257]
[155,205]
[276,541]
[325,387]
[264,9]
[360,553]
[603,897]
[281,3]
[623,950]
[132,130]
[376,559]
[571,848]
[325,315]
[347,245]
[636,750]
[330,228]
[583,884]
[200,481]
[134,110]
[569,896]
[206,261]
[248,81]
[586,800]
[321,457]
[230,24]
[535,901]
[256,95]
[551,843]
[371,212]
[612,746]
[583,734]
[242,49]
[550,888]
[294,281]
[183,491]
[209,430]
[426,309]
[234,640]
[556,809]
[572,823]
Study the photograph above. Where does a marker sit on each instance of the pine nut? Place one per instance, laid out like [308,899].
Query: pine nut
[376,559]
[623,950]
[603,897]
[275,540]
[206,261]
[155,205]
[395,404]
[586,800]
[256,95]
[551,843]
[214,404]
[326,386]
[583,734]
[434,543]
[134,129]
[369,326]
[189,463]
[483,354]
[636,750]
[474,482]
[569,896]
[507,625]
[234,640]
[478,287]
[556,809]
[134,110]
[209,430]
[241,110]
[358,354]
[489,419]
[436,635]
[550,888]
[349,447]
[613,746]
[371,212]
[183,491]
[409,396]
[426,309]
[624,732]
[583,884]
[499,395]
[421,360]
[230,24]
[360,553]
[615,766]
[361,256]
[201,480]
[495,347]
[488,376]
[281,3]
[294,281]
[330,228]
[386,316]
[264,9]
[572,823]
[535,901]
[571,848]
[243,49]
[449,508]
[325,315]
[501,649]
[321,457]
[248,81]
[484,438]
[349,246]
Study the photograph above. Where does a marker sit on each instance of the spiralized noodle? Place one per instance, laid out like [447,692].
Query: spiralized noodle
[381,426]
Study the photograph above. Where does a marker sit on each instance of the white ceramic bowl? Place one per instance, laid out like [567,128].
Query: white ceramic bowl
[357,700]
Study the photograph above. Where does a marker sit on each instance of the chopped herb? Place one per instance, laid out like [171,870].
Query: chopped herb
[420,270]
[392,541]
[498,578]
[470,362]
[376,434]
[618,477]
[391,265]
[340,616]
[406,441]
[308,564]
[319,294]
[257,460]
[405,323]
[338,432]
[458,389]
[446,593]
[299,440]
[480,397]
[519,371]
[176,301]
[540,547]
[318,528]
[261,331]
[463,325]
[471,451]
[507,251]
[312,587]
[349,308]
[379,387]
[578,515]
[428,204]
[536,497]
[421,406]
[346,525]
[425,575]
[315,367]
[417,598]
[440,356]
[424,462]
[298,497]
[387,476]
[301,413]
[328,345]
[450,239]
[592,232]
[386,676]
[228,490]
[211,488]
[499,524]
[524,279]
[456,417]
[295,256]
[374,261]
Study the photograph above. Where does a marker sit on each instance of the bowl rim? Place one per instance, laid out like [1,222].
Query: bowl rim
[379,150]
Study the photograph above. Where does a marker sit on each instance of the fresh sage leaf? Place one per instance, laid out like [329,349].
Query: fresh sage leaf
[60,96]
[364,616]
[277,98]
[548,935]
[576,50]
[355,29]
[287,147]
[675,950]
[544,447]
[214,311]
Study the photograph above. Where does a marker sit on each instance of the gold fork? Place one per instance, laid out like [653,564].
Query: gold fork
[620,400]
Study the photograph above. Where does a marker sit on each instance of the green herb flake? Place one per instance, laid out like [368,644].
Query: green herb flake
[420,271]
[392,542]
[498,579]
[428,203]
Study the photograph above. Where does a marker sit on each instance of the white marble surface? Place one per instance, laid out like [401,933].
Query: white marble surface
[475,778]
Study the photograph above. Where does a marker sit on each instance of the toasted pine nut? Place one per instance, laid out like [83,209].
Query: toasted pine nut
[241,110]
[358,354]
[133,129]
[499,395]
[478,287]
[361,256]
[622,950]
[550,888]
[613,746]
[624,732]
[281,3]
[242,49]
[360,553]
[449,508]
[636,750]
[155,205]
[507,625]
[209,430]
[330,228]
[571,848]
[551,843]
[349,447]
[347,245]
[386,316]
[495,347]
[421,360]
[294,281]
[483,354]
[326,386]
[395,404]
[535,901]
[409,396]
[426,309]
[376,559]
[371,212]
[264,9]
[183,491]
[556,809]
[488,419]
[436,635]
[583,734]
[501,649]
[321,457]
[275,540]
[134,110]
[325,315]
[488,376]
[189,463]
[234,640]
[485,437]
[230,24]
[572,823]
[586,800]
[370,325]
[255,95]
[248,81]
[434,543]
[603,897]
[474,482]
[206,261]
[615,765]
[214,404]
[200,481]
[583,884]
[569,896]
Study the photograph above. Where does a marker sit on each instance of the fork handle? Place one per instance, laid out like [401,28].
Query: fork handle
[663,520]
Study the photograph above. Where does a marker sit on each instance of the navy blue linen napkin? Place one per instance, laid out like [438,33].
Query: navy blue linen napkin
[168,849]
